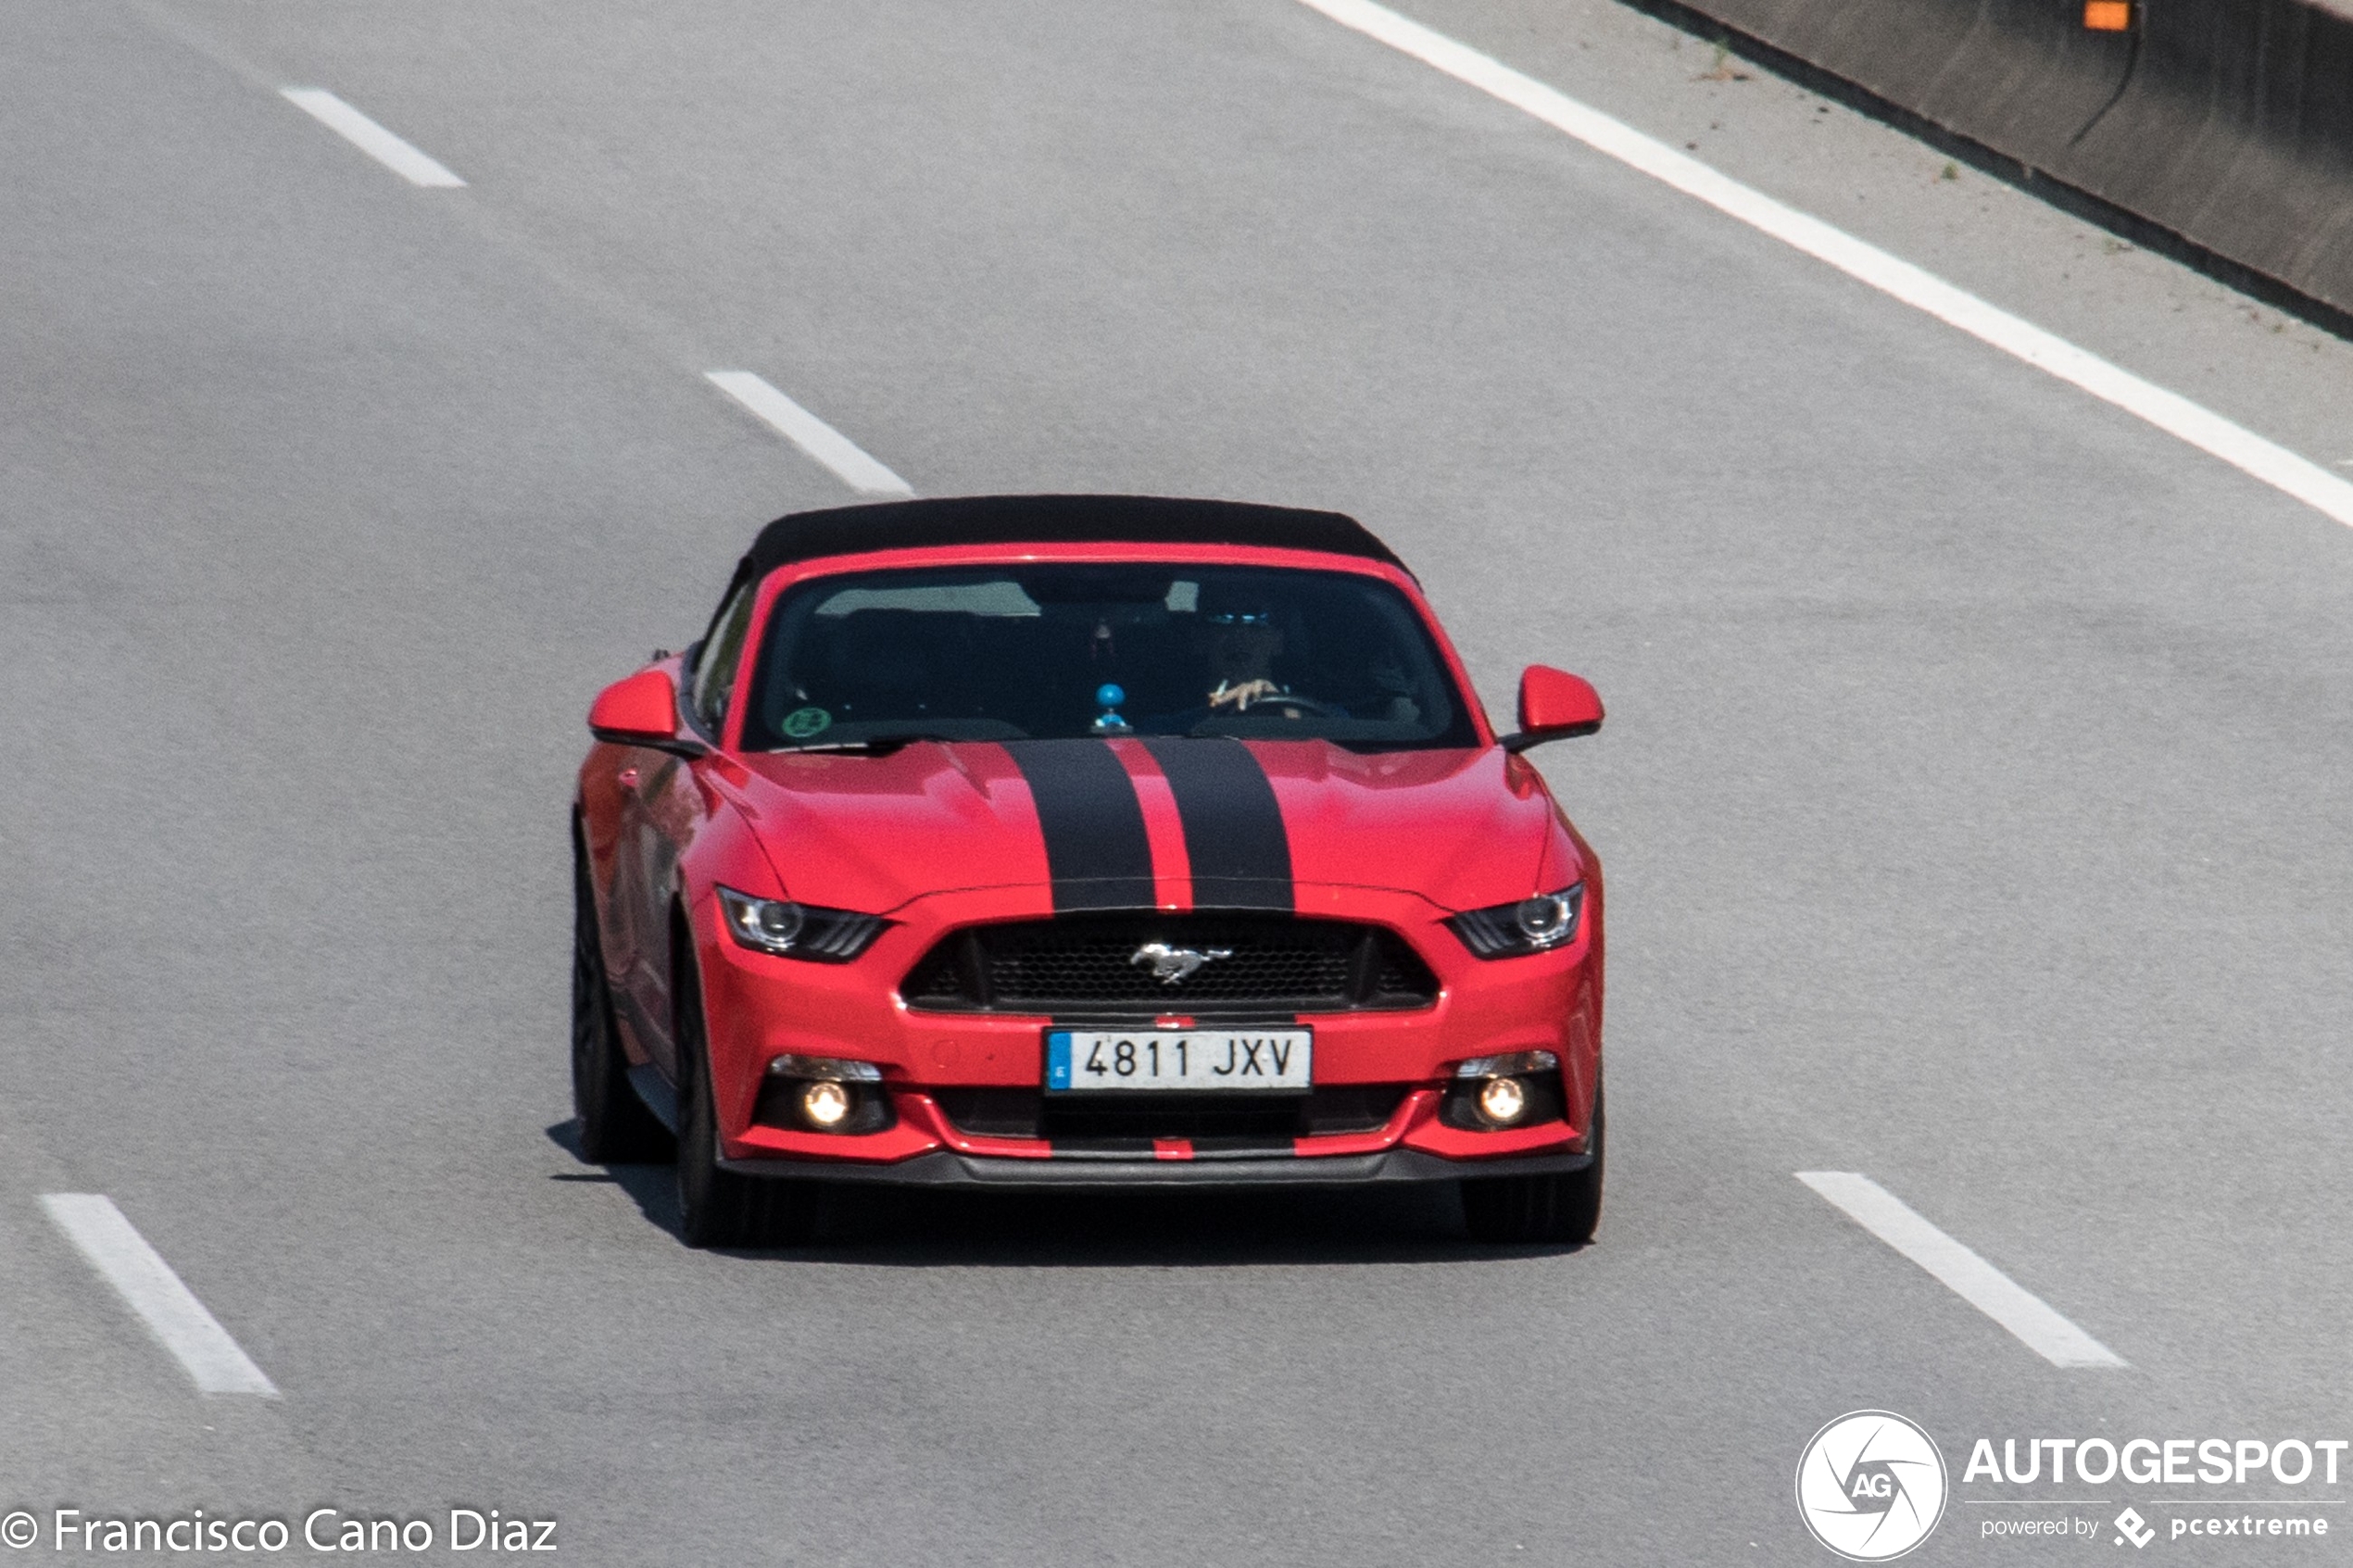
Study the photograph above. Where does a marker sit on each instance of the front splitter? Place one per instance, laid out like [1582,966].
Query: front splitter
[946,1168]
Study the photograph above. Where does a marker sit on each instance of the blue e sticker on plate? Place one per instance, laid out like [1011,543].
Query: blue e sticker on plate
[1058,1060]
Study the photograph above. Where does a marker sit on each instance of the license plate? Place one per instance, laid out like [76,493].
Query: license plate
[1084,1060]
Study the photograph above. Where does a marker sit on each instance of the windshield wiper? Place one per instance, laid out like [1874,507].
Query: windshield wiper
[873,746]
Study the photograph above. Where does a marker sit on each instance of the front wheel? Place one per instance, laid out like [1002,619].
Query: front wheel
[615,1126]
[718,1207]
[1565,1208]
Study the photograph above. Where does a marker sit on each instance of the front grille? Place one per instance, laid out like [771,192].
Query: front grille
[1099,964]
[1081,1121]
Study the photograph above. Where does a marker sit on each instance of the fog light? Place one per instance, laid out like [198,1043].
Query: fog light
[1503,1101]
[825,1104]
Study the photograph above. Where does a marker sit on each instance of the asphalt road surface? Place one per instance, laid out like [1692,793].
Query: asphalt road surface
[1974,793]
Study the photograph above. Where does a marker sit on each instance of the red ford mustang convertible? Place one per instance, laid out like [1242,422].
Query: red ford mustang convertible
[1083,842]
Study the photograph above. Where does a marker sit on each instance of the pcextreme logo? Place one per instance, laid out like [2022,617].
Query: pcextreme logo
[1870,1485]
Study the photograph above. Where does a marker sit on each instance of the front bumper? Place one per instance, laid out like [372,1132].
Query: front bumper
[759,1006]
[946,1168]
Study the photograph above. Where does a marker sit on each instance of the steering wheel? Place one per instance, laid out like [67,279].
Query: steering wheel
[1308,706]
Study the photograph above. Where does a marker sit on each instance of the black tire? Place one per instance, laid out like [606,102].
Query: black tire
[717,1208]
[615,1126]
[1564,1209]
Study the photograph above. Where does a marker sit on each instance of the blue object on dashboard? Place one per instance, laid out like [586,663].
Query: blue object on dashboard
[1108,697]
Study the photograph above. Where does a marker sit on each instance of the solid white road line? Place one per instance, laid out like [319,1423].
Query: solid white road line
[148,1286]
[370,137]
[811,434]
[2170,412]
[1969,1276]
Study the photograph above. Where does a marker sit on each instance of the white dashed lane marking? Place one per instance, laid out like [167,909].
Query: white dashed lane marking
[1970,1277]
[811,434]
[151,1290]
[370,137]
[2169,412]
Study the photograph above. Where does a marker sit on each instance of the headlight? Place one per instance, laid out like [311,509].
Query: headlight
[1532,925]
[798,931]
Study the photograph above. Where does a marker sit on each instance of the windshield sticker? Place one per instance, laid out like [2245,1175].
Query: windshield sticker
[803,722]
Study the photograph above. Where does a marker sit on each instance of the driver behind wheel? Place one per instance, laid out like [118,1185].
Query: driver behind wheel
[1241,640]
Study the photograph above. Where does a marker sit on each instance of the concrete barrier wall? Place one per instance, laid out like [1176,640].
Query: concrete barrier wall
[2227,123]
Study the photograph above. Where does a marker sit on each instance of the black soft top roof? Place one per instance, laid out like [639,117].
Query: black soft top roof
[1055,520]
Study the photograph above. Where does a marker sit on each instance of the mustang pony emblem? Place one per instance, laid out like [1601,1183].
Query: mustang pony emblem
[1174,965]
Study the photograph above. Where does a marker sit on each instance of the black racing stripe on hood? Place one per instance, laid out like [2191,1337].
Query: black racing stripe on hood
[1234,832]
[1095,850]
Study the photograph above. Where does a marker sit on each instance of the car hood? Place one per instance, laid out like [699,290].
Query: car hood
[1128,823]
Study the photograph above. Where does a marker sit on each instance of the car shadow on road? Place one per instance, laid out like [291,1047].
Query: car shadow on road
[913,1227]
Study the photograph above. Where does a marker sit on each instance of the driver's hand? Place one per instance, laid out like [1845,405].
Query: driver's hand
[1240,698]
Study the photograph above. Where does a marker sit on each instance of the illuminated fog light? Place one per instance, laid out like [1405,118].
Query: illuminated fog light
[826,1104]
[1503,1101]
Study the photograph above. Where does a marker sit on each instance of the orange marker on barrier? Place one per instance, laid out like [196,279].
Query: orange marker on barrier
[2108,16]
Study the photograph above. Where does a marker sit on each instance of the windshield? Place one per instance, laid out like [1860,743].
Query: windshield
[1058,650]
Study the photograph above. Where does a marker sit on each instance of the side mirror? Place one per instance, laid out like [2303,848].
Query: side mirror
[642,710]
[1553,705]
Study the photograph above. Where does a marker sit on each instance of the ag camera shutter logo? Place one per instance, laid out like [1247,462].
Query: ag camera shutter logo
[1870,1485]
